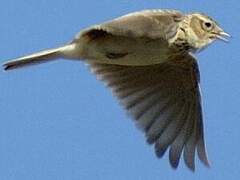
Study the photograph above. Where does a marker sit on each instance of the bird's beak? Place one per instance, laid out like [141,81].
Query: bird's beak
[221,35]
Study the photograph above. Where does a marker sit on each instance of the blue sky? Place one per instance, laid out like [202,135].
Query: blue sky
[59,123]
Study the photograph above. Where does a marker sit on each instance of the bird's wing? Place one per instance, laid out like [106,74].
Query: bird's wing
[165,102]
[148,24]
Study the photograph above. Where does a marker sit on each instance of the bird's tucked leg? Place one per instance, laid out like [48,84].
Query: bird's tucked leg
[112,55]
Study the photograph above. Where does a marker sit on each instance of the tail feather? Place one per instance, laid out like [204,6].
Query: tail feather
[36,58]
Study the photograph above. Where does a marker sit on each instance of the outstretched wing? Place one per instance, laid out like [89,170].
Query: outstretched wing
[152,24]
[165,102]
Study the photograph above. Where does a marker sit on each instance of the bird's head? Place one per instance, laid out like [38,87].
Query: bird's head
[203,31]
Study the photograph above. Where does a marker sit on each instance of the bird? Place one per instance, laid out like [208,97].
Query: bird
[147,59]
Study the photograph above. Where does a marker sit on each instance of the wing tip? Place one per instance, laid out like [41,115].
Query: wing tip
[174,164]
[202,153]
[206,162]
[160,151]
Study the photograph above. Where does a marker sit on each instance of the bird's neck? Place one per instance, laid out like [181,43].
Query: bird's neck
[183,41]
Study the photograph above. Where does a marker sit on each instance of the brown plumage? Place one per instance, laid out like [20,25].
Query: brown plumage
[145,58]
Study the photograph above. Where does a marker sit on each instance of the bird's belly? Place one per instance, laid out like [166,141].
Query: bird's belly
[126,51]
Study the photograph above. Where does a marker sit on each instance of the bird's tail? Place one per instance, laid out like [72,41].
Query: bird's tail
[36,58]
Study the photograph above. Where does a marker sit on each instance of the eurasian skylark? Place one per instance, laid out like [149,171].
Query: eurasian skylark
[145,58]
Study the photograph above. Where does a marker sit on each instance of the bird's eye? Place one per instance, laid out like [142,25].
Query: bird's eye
[208,26]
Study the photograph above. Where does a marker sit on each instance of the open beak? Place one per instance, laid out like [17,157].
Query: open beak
[221,35]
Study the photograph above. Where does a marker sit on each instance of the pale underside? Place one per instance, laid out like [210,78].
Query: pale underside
[143,37]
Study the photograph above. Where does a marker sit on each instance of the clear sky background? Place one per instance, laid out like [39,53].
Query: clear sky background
[59,123]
